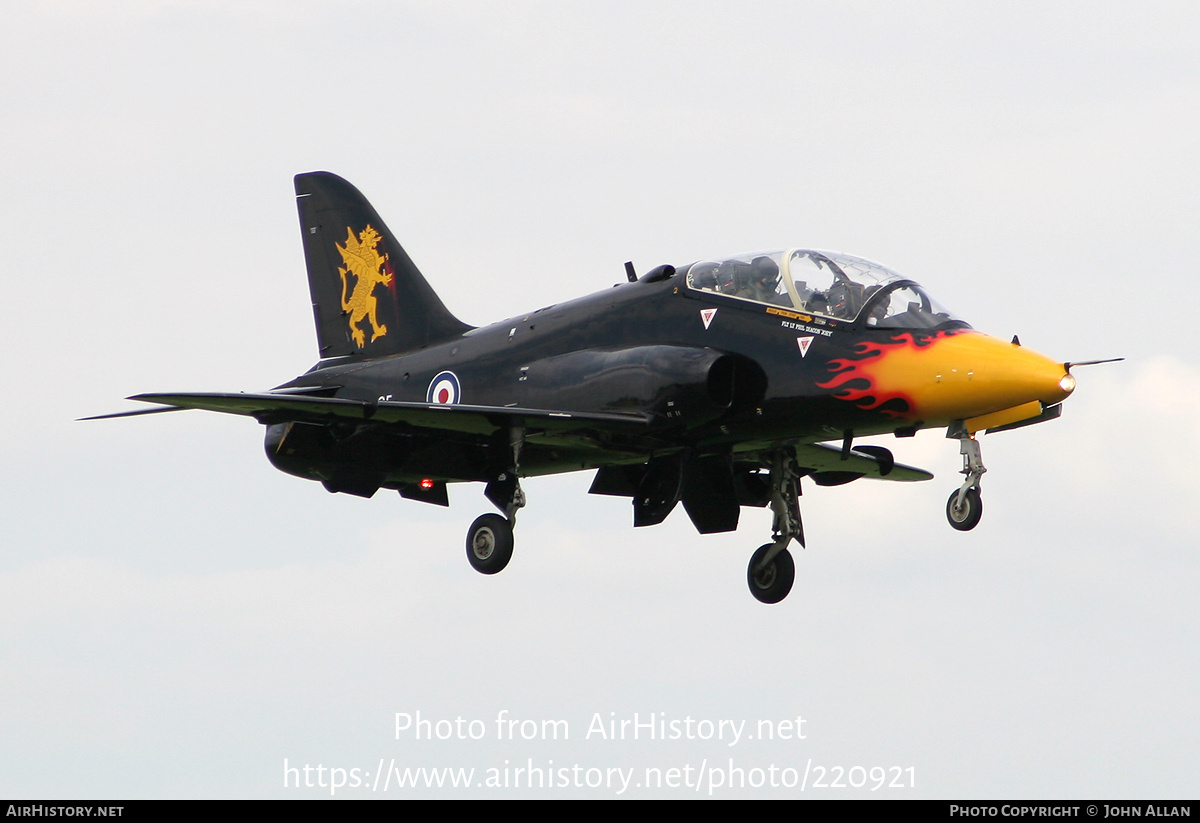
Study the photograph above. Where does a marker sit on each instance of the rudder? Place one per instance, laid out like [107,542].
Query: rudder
[369,298]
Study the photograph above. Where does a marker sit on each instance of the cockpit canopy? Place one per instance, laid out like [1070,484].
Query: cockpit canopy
[830,284]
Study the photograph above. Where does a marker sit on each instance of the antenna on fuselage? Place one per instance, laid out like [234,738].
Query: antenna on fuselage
[629,272]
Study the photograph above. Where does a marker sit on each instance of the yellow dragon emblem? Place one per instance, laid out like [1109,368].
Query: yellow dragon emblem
[366,264]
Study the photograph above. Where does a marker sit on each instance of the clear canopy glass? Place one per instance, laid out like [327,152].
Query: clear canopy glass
[830,284]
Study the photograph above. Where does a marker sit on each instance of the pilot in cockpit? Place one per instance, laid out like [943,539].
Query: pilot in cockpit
[764,282]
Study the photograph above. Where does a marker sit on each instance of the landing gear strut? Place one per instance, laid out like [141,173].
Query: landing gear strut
[772,570]
[965,506]
[490,538]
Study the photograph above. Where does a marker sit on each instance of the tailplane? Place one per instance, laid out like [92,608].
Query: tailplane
[369,299]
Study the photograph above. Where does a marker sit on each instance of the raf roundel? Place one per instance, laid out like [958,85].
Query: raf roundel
[443,389]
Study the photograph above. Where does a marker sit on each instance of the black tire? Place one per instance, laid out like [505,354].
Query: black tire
[490,543]
[771,584]
[968,516]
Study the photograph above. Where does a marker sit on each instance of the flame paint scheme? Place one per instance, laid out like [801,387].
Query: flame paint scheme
[718,385]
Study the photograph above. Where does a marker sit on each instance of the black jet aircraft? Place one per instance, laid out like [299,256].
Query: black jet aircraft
[717,385]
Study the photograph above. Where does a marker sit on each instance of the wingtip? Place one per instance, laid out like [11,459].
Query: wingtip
[136,413]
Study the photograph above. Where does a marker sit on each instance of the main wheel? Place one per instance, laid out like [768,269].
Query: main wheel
[967,516]
[773,582]
[490,543]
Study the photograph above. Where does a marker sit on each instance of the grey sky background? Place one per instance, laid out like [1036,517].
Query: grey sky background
[178,617]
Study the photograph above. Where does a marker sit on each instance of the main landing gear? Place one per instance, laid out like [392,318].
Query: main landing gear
[965,506]
[772,570]
[490,538]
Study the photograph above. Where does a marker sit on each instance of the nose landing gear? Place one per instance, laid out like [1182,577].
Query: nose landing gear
[965,506]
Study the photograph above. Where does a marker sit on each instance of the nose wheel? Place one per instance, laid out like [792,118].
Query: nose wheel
[964,509]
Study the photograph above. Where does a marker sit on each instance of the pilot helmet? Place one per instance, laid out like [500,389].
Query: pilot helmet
[764,272]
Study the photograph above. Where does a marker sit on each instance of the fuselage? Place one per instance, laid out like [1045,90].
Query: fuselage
[651,347]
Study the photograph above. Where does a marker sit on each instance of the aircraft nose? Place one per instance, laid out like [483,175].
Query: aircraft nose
[957,375]
[980,375]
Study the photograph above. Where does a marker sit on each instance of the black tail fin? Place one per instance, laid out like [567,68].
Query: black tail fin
[369,299]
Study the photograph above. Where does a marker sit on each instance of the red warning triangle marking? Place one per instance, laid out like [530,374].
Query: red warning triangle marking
[707,316]
[804,343]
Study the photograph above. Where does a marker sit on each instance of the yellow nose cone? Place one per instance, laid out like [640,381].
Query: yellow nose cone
[952,376]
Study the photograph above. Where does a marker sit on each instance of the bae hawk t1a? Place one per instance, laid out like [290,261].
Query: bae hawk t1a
[717,385]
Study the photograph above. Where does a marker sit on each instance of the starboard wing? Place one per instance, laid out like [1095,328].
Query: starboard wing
[482,420]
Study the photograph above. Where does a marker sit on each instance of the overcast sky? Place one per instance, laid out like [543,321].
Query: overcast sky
[181,620]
